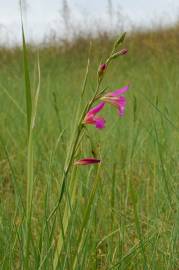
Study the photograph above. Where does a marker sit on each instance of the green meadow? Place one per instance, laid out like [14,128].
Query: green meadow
[120,214]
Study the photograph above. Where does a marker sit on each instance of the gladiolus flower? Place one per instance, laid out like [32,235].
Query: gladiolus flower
[92,119]
[116,99]
[87,161]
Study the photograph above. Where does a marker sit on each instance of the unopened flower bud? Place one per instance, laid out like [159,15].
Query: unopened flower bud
[87,161]
[121,52]
[102,68]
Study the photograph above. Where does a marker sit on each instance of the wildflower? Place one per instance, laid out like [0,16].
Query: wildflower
[116,99]
[102,68]
[92,119]
[87,161]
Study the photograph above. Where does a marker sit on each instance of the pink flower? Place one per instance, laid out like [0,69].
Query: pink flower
[92,119]
[116,99]
[87,161]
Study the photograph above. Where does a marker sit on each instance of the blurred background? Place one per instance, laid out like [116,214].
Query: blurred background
[61,19]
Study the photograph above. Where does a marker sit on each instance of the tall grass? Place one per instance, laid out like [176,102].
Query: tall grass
[120,215]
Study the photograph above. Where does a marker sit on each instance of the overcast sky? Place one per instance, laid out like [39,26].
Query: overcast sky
[44,15]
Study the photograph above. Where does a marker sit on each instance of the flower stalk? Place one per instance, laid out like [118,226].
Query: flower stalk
[87,116]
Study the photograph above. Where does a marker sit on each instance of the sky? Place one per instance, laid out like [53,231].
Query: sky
[44,17]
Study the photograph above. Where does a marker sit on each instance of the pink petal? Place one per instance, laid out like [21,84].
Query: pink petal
[97,109]
[120,91]
[100,123]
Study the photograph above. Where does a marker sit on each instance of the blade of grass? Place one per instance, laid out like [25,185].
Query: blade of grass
[28,93]
[29,190]
[31,115]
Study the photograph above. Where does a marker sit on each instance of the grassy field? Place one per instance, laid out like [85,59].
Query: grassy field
[121,214]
